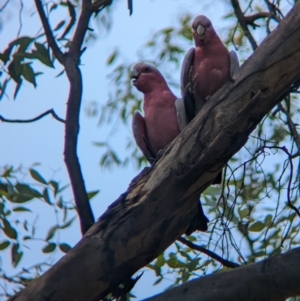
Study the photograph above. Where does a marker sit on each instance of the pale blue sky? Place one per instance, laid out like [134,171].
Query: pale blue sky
[42,141]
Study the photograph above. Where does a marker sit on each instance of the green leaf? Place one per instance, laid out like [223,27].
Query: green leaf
[28,73]
[65,248]
[158,281]
[212,191]
[155,268]
[160,260]
[55,186]
[14,70]
[37,176]
[21,209]
[185,276]
[4,244]
[192,265]
[92,194]
[59,25]
[51,232]
[49,248]
[256,227]
[243,213]
[16,255]
[67,224]
[9,230]
[27,192]
[23,43]
[42,54]
[46,196]
[112,57]
[18,86]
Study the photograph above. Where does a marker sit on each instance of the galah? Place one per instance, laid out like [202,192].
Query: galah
[205,69]
[164,118]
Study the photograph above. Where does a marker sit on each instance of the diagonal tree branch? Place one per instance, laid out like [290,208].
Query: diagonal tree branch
[209,253]
[48,32]
[158,205]
[272,279]
[51,111]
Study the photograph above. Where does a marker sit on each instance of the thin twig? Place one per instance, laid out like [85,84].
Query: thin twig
[51,111]
[72,22]
[209,253]
[241,18]
[291,125]
[48,32]
[20,18]
[290,157]
[4,5]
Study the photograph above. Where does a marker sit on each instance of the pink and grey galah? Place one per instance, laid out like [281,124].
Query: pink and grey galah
[164,118]
[205,69]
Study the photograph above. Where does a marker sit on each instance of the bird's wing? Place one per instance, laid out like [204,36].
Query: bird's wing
[234,63]
[141,138]
[185,84]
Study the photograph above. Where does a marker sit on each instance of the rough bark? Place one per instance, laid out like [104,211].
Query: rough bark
[159,204]
[274,279]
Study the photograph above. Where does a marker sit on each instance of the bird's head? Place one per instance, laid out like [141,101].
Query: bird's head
[146,78]
[203,31]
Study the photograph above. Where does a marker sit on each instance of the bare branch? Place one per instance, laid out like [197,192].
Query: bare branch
[284,149]
[241,19]
[4,5]
[252,18]
[291,125]
[72,22]
[51,111]
[273,279]
[81,29]
[100,4]
[48,32]
[209,253]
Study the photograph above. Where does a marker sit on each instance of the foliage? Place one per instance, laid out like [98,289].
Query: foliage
[252,215]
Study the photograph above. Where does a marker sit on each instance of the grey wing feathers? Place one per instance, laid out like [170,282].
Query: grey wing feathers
[234,63]
[185,85]
[186,65]
[181,113]
[140,136]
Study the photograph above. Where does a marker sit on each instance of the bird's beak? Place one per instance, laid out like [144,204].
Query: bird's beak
[201,31]
[134,75]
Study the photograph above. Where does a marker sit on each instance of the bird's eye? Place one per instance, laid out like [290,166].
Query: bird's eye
[146,69]
[208,25]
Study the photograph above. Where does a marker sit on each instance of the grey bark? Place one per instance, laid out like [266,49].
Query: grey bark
[159,204]
[274,279]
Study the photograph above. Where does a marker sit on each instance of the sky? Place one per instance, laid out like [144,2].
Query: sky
[42,141]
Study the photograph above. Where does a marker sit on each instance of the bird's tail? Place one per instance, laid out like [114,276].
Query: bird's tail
[199,221]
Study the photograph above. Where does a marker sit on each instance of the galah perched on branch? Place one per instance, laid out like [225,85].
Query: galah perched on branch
[205,69]
[164,117]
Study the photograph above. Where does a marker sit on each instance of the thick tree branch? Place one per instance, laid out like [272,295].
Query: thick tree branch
[241,19]
[48,32]
[72,119]
[158,206]
[273,279]
[209,253]
[81,29]
[51,111]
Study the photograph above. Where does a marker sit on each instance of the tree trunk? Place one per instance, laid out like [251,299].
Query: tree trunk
[159,204]
[273,279]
